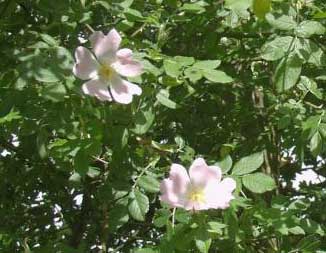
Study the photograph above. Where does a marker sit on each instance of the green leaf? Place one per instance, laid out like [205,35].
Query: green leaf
[12,115]
[322,130]
[216,227]
[261,8]
[49,39]
[248,164]
[194,7]
[171,68]
[54,91]
[225,164]
[277,48]
[146,250]
[203,241]
[133,15]
[287,72]
[149,183]
[184,61]
[46,75]
[208,64]
[316,143]
[258,182]
[311,85]
[238,6]
[217,76]
[41,142]
[297,231]
[75,177]
[308,28]
[139,205]
[282,22]
[143,120]
[163,98]
[193,74]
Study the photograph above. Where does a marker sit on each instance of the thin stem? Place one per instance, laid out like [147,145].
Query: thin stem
[90,28]
[173,217]
[100,160]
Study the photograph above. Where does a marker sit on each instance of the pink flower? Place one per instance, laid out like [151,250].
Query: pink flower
[103,72]
[202,189]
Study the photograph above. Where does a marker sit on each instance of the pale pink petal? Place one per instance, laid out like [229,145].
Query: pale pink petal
[86,65]
[229,184]
[128,68]
[122,90]
[217,195]
[175,187]
[197,206]
[95,40]
[180,178]
[97,89]
[124,54]
[201,174]
[168,195]
[105,47]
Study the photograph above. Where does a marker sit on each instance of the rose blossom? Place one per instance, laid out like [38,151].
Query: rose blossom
[202,189]
[103,72]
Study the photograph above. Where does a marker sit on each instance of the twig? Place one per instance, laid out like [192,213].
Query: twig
[100,160]
[90,28]
[138,30]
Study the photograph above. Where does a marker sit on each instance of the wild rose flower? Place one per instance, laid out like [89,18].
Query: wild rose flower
[202,189]
[103,72]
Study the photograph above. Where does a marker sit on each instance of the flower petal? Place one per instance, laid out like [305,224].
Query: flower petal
[201,174]
[86,65]
[122,90]
[168,195]
[175,187]
[229,184]
[105,47]
[124,54]
[217,195]
[180,178]
[128,68]
[97,89]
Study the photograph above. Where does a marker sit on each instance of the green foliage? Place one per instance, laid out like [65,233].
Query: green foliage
[238,82]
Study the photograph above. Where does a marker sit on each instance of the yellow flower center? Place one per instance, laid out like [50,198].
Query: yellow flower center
[105,72]
[196,195]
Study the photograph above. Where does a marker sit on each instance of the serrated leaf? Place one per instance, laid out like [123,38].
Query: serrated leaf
[193,7]
[258,182]
[149,183]
[308,28]
[143,120]
[282,22]
[139,205]
[225,164]
[217,76]
[46,75]
[193,74]
[184,61]
[163,98]
[207,64]
[287,72]
[203,242]
[311,85]
[171,68]
[54,91]
[276,49]
[316,143]
[248,164]
[49,39]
